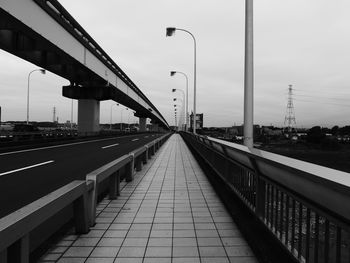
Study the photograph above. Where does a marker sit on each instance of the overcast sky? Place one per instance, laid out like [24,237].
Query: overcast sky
[305,43]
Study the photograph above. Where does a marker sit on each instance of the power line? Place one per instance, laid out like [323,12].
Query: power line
[308,96]
[318,102]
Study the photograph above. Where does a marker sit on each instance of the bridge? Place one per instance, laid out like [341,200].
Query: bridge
[44,33]
[151,197]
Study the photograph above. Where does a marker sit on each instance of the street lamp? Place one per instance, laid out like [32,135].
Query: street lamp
[110,123]
[30,73]
[172,73]
[170,32]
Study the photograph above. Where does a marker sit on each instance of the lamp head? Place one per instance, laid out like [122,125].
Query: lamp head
[43,71]
[170,31]
[172,73]
[174,99]
[173,90]
[174,105]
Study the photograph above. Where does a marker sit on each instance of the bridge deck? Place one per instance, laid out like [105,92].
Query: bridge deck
[169,213]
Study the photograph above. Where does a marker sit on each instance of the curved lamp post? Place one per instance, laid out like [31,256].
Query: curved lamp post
[169,32]
[172,73]
[43,71]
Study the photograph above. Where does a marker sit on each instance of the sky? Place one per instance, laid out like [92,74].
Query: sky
[296,42]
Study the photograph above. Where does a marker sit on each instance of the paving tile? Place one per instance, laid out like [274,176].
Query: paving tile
[119,226]
[186,260]
[243,260]
[158,252]
[86,242]
[161,233]
[185,241]
[71,260]
[212,252]
[127,252]
[138,233]
[157,260]
[209,241]
[128,260]
[160,242]
[239,251]
[215,260]
[115,233]
[110,242]
[185,252]
[184,233]
[99,260]
[207,233]
[106,252]
[135,242]
[78,252]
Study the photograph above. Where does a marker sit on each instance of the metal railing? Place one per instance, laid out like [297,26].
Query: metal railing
[304,206]
[15,228]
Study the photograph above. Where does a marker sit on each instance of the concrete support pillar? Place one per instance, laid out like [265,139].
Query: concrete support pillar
[142,124]
[88,116]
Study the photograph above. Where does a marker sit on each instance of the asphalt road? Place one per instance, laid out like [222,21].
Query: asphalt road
[29,174]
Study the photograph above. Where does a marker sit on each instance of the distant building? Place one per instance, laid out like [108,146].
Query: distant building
[199,121]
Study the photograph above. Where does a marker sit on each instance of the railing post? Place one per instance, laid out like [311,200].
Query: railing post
[81,214]
[138,163]
[114,185]
[18,252]
[129,169]
[92,200]
[260,189]
[260,197]
[3,256]
[145,155]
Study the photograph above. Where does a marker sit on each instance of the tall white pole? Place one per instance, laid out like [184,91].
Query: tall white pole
[248,76]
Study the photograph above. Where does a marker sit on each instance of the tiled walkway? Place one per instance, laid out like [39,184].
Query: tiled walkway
[169,213]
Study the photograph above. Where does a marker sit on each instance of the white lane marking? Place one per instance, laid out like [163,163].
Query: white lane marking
[146,136]
[134,140]
[108,146]
[26,168]
[62,145]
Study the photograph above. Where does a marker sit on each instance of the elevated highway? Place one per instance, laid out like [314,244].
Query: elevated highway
[44,33]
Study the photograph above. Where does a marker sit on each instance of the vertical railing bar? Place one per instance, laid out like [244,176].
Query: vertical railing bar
[307,246]
[281,215]
[326,242]
[269,205]
[317,233]
[300,230]
[272,205]
[287,221]
[276,210]
[293,226]
[338,246]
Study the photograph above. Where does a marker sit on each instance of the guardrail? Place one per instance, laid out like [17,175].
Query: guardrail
[303,206]
[111,171]
[16,227]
